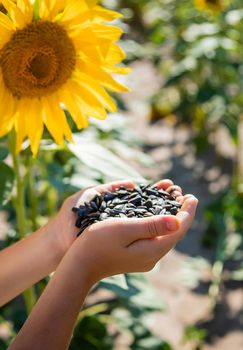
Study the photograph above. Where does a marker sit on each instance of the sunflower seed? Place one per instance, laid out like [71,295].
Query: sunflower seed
[94,205]
[142,201]
[109,196]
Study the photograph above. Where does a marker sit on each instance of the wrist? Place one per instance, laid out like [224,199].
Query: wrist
[77,271]
[55,248]
[84,264]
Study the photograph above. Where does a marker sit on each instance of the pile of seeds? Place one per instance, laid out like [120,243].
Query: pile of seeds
[140,202]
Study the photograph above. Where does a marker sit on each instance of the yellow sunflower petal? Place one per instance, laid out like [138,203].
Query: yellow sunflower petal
[100,14]
[91,3]
[117,70]
[6,125]
[70,104]
[101,48]
[6,122]
[90,102]
[103,77]
[6,23]
[87,104]
[89,110]
[6,29]
[49,9]
[115,55]
[6,116]
[83,36]
[97,14]
[86,44]
[27,9]
[17,15]
[20,125]
[34,124]
[55,119]
[73,10]
[111,33]
[94,88]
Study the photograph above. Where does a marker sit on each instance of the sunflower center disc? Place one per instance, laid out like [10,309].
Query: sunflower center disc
[37,60]
[40,66]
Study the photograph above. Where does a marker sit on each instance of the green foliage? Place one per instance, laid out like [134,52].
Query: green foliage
[199,55]
[3,153]
[225,232]
[195,337]
[91,334]
[133,292]
[6,183]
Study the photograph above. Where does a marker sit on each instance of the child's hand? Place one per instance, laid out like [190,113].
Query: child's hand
[106,248]
[131,245]
[62,226]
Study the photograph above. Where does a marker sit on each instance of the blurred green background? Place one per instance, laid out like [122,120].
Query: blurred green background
[183,120]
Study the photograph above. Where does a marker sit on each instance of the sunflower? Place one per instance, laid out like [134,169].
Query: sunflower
[214,5]
[56,55]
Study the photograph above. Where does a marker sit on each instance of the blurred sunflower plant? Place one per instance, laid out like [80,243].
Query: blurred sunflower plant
[211,5]
[56,55]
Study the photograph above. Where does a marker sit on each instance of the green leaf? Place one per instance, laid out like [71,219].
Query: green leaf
[137,292]
[151,342]
[113,282]
[145,296]
[91,334]
[194,31]
[97,157]
[237,275]
[6,183]
[3,153]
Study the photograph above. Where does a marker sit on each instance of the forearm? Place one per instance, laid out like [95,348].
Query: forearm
[52,320]
[26,262]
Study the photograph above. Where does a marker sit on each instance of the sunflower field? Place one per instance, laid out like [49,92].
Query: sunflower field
[96,91]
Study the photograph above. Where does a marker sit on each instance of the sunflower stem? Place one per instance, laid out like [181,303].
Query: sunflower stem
[19,205]
[32,196]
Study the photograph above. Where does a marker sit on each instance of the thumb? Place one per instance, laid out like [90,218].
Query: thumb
[147,228]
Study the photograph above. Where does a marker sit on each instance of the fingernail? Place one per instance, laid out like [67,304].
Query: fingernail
[172,225]
[190,195]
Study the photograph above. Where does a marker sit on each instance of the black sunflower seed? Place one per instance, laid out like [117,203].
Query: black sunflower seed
[142,201]
[103,206]
[148,204]
[94,205]
[109,196]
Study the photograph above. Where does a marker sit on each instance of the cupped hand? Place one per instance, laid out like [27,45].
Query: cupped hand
[62,226]
[117,245]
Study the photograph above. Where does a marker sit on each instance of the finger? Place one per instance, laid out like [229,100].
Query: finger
[145,228]
[160,245]
[89,194]
[176,194]
[174,189]
[164,184]
[115,185]
[187,214]
[180,199]
[154,248]
[74,199]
